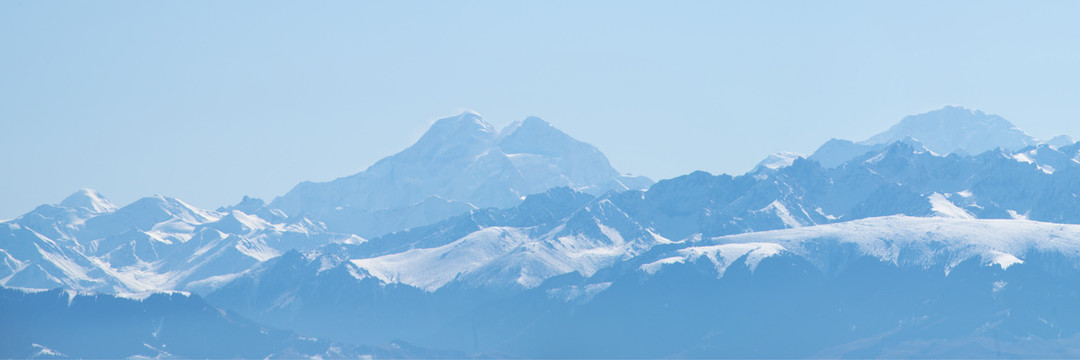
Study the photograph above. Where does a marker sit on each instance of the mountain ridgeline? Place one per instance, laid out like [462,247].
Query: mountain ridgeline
[462,163]
[952,234]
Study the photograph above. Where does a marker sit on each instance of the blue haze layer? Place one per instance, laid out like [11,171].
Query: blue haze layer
[211,101]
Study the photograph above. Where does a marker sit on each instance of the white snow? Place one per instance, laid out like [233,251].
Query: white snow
[877,158]
[502,256]
[942,207]
[43,350]
[121,258]
[782,212]
[1016,215]
[925,242]
[822,213]
[655,266]
[999,285]
[463,160]
[72,294]
[257,249]
[955,128]
[610,233]
[1002,259]
[1022,157]
[722,256]
[140,296]
[779,160]
[431,268]
[213,282]
[89,199]
[1026,158]
[72,272]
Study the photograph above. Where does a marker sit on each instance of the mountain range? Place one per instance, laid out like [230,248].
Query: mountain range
[153,326]
[951,234]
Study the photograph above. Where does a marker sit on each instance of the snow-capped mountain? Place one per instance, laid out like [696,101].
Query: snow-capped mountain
[160,243]
[884,286]
[951,129]
[920,211]
[880,287]
[462,163]
[956,129]
[510,242]
[587,240]
[154,243]
[777,161]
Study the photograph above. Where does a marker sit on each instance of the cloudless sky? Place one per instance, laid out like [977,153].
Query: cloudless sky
[208,101]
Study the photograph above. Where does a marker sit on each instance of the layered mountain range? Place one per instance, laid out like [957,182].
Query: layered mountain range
[949,234]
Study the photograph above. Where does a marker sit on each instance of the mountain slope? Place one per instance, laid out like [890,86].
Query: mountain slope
[69,324]
[494,255]
[951,129]
[895,250]
[865,288]
[460,164]
[162,243]
[155,243]
[562,231]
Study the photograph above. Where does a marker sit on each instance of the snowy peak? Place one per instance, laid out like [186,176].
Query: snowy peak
[953,128]
[777,161]
[238,222]
[531,122]
[464,163]
[448,140]
[468,122]
[906,148]
[144,214]
[940,243]
[171,207]
[466,127]
[536,136]
[540,151]
[90,200]
[949,130]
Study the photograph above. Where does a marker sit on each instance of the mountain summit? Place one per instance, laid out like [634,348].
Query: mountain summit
[898,251]
[90,200]
[461,163]
[955,129]
[951,129]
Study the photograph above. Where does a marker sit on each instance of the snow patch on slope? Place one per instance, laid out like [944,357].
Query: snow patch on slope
[942,207]
[782,212]
[431,268]
[778,161]
[722,256]
[1002,259]
[924,242]
[89,199]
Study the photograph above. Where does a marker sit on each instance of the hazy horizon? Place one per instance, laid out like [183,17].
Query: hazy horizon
[207,102]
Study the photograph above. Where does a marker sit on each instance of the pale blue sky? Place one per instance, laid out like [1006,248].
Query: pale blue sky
[209,101]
